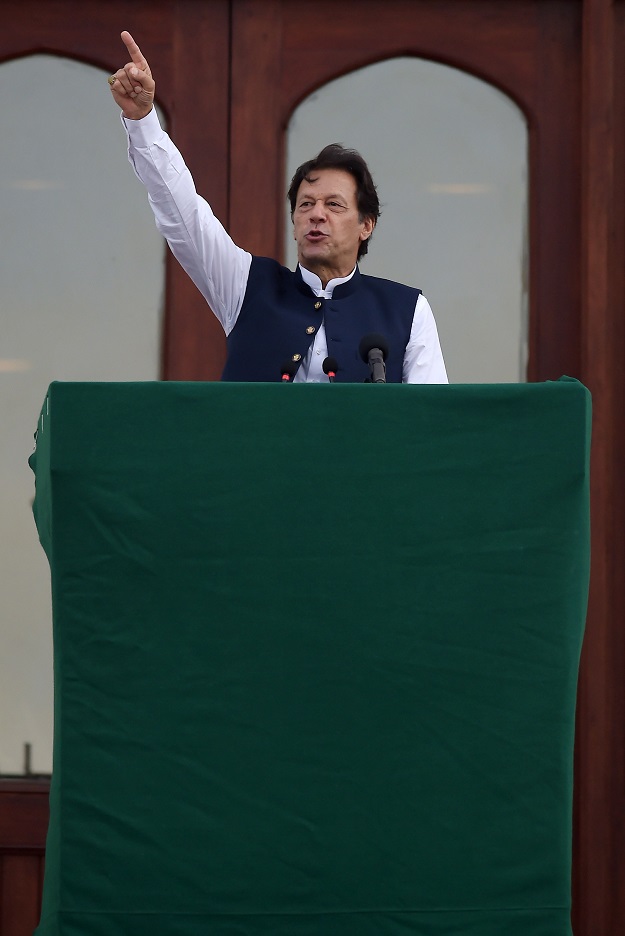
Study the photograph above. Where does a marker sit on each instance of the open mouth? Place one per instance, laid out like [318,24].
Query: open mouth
[315,236]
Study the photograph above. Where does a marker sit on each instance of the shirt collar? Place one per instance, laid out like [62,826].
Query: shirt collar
[312,280]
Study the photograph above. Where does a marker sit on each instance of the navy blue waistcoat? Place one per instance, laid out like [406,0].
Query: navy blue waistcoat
[280,317]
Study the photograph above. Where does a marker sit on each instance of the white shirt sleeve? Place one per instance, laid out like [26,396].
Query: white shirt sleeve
[423,358]
[197,239]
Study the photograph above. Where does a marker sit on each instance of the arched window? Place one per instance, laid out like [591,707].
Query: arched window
[81,295]
[449,158]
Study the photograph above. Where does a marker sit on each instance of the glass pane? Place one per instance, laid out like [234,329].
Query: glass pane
[448,153]
[81,295]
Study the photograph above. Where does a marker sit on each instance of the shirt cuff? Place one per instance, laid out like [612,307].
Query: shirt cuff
[144,132]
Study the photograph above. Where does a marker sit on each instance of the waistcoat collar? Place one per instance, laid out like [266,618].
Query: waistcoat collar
[339,292]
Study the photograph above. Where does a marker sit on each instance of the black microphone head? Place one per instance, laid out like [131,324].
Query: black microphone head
[289,369]
[372,341]
[330,365]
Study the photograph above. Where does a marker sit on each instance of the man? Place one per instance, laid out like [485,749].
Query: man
[270,314]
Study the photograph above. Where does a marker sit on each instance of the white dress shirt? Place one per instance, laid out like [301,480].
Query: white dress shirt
[220,269]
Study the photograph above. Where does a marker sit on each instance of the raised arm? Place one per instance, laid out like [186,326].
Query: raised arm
[197,239]
[133,86]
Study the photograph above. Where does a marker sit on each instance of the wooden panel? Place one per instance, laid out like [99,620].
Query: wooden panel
[257,190]
[24,814]
[20,897]
[23,828]
[54,26]
[555,207]
[194,342]
[600,772]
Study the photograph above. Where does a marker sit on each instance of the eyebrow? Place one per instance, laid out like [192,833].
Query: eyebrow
[311,195]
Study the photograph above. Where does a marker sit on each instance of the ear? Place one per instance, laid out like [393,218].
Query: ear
[367,228]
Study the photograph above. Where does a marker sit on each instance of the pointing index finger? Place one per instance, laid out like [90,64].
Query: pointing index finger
[133,49]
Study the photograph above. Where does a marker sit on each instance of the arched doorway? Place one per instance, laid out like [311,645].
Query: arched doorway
[450,162]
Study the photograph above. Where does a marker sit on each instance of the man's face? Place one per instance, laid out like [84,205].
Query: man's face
[326,225]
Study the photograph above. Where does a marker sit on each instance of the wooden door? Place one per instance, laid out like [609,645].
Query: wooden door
[229,74]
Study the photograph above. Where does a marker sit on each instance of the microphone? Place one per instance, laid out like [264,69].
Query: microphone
[289,370]
[330,367]
[373,350]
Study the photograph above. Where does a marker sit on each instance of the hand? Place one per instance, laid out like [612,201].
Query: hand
[133,88]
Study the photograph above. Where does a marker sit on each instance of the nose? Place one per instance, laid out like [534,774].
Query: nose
[318,212]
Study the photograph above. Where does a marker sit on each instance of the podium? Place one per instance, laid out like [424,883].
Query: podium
[316,653]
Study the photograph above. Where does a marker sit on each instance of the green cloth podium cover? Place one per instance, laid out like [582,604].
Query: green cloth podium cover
[316,652]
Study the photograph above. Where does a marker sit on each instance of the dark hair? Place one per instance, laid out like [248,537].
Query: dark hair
[335,156]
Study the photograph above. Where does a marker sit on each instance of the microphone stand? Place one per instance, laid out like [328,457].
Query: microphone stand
[377,365]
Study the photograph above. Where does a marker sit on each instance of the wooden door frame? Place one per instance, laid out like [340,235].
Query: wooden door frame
[288,51]
[252,61]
